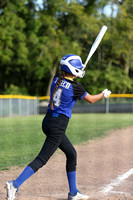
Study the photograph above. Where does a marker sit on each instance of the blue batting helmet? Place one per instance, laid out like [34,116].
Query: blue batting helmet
[73,65]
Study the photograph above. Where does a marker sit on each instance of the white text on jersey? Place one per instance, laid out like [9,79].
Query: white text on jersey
[64,84]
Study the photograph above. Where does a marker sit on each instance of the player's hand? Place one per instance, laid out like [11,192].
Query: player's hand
[106,93]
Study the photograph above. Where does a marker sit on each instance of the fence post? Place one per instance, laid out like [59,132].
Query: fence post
[36,106]
[28,107]
[1,111]
[107,105]
[10,107]
[20,106]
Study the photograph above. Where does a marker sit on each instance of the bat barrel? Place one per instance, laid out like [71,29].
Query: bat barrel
[96,43]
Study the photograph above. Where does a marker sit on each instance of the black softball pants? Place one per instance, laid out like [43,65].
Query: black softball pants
[54,126]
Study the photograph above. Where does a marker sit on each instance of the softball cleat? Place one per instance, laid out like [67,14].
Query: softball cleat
[78,196]
[11,190]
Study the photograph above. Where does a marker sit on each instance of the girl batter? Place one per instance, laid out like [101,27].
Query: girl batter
[64,93]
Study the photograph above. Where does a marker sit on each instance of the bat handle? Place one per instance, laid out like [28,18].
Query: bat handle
[84,67]
[88,58]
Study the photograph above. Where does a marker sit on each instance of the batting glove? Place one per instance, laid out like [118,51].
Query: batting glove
[106,93]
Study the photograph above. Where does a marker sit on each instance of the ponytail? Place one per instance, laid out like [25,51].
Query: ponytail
[56,87]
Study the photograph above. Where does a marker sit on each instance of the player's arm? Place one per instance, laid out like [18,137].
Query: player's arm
[94,98]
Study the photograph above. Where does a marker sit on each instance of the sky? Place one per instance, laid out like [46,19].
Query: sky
[107,9]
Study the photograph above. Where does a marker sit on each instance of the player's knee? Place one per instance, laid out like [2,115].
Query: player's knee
[72,156]
[75,156]
[71,161]
[37,163]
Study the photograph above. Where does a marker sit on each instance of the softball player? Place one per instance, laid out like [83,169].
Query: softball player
[64,93]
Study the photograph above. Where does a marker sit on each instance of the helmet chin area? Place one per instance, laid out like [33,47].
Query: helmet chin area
[78,73]
[82,74]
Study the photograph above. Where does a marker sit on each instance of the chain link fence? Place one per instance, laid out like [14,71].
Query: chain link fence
[116,103]
[18,105]
[120,103]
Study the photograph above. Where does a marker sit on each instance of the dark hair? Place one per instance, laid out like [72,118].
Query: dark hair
[56,87]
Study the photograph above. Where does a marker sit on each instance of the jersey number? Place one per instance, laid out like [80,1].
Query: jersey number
[57,97]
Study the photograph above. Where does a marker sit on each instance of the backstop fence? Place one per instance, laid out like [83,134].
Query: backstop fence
[19,105]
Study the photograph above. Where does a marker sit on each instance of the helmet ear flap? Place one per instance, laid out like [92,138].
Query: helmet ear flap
[77,71]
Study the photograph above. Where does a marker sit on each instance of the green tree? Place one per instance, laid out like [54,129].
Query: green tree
[13,49]
[111,64]
[120,48]
[33,40]
[56,39]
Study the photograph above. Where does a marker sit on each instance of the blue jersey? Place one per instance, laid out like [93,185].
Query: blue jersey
[66,95]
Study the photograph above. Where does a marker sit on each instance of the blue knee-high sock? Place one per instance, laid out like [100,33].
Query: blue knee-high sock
[72,182]
[27,173]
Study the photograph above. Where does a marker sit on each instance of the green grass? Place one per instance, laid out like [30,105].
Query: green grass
[21,138]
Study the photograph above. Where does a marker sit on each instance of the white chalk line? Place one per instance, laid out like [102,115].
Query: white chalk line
[122,193]
[116,181]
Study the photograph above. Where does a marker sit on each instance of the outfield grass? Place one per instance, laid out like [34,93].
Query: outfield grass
[21,138]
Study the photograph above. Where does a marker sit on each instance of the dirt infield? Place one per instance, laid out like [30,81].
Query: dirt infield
[104,172]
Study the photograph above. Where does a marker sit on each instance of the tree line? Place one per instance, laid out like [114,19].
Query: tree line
[34,38]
